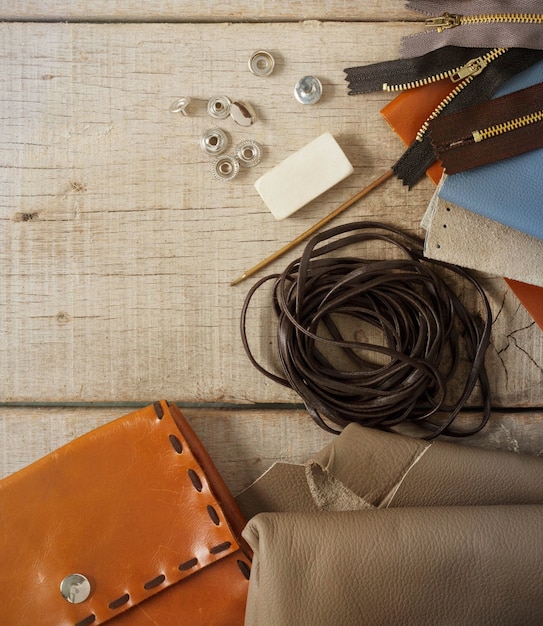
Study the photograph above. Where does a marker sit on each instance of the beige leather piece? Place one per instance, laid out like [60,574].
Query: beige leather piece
[365,468]
[414,566]
[388,469]
[138,508]
[282,488]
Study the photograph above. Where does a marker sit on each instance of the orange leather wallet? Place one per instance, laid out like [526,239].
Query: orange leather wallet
[130,523]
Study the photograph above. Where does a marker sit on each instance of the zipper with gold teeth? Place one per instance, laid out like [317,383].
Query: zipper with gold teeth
[402,74]
[463,77]
[478,72]
[470,69]
[469,92]
[494,130]
[469,23]
[452,20]
[507,127]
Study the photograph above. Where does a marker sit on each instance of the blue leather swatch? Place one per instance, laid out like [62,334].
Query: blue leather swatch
[508,191]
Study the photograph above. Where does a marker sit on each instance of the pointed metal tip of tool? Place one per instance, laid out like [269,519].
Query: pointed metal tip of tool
[238,280]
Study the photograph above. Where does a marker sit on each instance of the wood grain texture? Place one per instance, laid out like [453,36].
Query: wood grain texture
[242,443]
[117,246]
[197,11]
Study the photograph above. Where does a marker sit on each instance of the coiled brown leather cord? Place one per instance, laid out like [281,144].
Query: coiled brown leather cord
[427,333]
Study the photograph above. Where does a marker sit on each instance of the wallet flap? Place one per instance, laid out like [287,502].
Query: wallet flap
[107,521]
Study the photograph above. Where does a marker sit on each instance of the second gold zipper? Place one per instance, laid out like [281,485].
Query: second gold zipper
[483,61]
[452,20]
[506,127]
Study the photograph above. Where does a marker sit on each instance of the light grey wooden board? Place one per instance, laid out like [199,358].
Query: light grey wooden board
[117,246]
[242,443]
[195,11]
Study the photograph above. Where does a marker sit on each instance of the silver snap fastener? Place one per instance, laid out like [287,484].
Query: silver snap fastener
[219,107]
[180,105]
[249,153]
[261,63]
[308,90]
[225,168]
[75,588]
[242,113]
[214,141]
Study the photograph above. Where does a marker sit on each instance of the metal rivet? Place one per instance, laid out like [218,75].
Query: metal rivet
[249,153]
[242,113]
[261,63]
[225,167]
[308,90]
[214,141]
[75,588]
[219,107]
[180,105]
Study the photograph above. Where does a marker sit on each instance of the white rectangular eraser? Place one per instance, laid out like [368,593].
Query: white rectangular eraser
[303,176]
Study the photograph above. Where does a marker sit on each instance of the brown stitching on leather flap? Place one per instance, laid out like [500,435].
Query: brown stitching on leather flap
[154,582]
[158,410]
[176,444]
[213,515]
[220,548]
[188,565]
[195,479]
[244,568]
[119,601]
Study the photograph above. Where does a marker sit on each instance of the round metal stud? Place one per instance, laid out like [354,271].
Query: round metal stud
[249,153]
[308,90]
[75,588]
[180,105]
[261,63]
[225,167]
[214,141]
[219,107]
[242,113]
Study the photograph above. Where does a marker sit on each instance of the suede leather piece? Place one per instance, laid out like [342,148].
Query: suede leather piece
[456,235]
[431,565]
[364,468]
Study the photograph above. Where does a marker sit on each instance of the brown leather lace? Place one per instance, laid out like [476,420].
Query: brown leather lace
[429,336]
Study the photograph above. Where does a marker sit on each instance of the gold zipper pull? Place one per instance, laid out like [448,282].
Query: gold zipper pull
[472,68]
[447,20]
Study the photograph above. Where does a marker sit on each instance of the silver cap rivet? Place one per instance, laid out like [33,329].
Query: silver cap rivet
[261,63]
[308,90]
[219,107]
[214,141]
[180,105]
[75,588]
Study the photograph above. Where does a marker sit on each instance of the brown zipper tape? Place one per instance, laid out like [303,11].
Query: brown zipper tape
[453,136]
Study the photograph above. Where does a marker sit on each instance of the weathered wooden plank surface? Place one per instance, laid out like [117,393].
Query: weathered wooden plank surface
[117,247]
[242,443]
[196,11]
